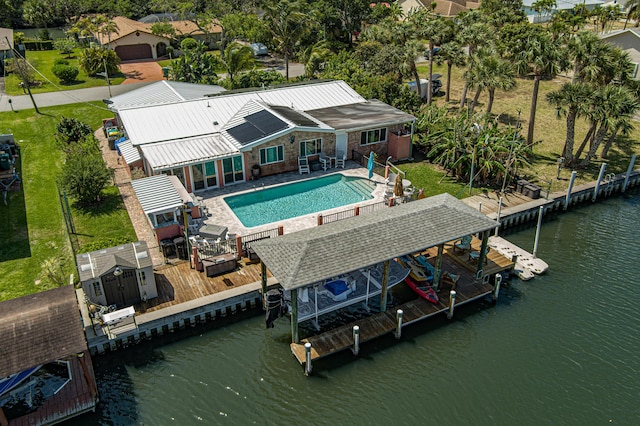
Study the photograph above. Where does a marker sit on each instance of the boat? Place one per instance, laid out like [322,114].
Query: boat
[416,272]
[429,268]
[423,290]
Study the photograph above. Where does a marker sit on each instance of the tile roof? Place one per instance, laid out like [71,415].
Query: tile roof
[128,26]
[311,255]
[39,328]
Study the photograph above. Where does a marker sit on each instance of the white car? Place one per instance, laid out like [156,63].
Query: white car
[259,49]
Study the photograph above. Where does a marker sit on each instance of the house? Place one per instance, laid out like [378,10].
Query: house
[445,8]
[46,374]
[218,140]
[6,44]
[629,41]
[536,17]
[121,276]
[134,40]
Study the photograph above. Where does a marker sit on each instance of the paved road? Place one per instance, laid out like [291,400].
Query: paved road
[95,93]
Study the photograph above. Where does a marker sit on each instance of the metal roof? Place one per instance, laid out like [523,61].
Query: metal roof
[97,263]
[39,328]
[206,116]
[311,255]
[162,92]
[186,151]
[156,193]
[360,115]
[129,152]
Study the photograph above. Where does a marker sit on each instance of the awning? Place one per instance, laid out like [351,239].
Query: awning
[181,152]
[156,194]
[128,152]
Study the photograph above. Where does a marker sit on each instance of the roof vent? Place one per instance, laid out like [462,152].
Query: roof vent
[86,267]
[142,255]
[215,123]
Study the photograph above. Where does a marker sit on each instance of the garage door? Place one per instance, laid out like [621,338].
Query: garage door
[134,51]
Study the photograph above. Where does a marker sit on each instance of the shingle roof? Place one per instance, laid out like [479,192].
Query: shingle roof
[39,328]
[311,255]
[97,263]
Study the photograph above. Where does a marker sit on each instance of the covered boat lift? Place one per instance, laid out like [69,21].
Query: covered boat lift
[352,249]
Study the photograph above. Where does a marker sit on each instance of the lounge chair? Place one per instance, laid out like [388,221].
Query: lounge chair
[463,244]
[391,180]
[474,256]
[341,158]
[325,161]
[303,165]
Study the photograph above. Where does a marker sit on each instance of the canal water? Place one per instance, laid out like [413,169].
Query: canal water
[563,348]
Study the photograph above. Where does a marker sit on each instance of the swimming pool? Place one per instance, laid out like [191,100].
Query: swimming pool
[298,199]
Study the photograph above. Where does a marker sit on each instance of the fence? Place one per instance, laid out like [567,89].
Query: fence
[68,221]
[379,168]
[356,211]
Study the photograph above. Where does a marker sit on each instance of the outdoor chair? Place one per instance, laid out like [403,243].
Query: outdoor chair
[391,180]
[474,256]
[325,161]
[303,165]
[341,158]
[463,244]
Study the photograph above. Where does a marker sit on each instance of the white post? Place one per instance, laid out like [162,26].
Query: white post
[452,303]
[626,177]
[568,197]
[307,364]
[356,340]
[496,291]
[498,219]
[535,243]
[399,314]
[597,188]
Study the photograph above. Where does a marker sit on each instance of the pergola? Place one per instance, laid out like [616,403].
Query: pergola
[314,255]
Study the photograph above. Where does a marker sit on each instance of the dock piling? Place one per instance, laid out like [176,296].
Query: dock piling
[307,363]
[496,292]
[399,315]
[629,170]
[535,243]
[568,196]
[597,188]
[356,340]
[452,303]
[498,218]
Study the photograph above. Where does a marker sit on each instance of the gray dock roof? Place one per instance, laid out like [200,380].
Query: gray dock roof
[39,328]
[311,255]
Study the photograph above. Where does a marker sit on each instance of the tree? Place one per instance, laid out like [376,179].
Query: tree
[544,8]
[288,24]
[633,12]
[163,29]
[195,66]
[437,31]
[236,58]
[65,46]
[314,57]
[38,13]
[259,78]
[70,131]
[84,174]
[451,54]
[96,59]
[488,71]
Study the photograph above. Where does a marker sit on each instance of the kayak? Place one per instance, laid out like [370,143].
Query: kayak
[424,291]
[416,272]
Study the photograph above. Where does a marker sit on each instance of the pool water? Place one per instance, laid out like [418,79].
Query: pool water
[298,199]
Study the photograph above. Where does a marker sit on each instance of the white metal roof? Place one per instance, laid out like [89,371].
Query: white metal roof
[206,116]
[162,92]
[129,152]
[185,151]
[156,194]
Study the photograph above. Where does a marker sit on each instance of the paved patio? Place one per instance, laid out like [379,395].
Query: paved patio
[221,214]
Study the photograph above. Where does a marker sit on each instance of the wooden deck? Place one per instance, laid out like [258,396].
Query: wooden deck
[179,283]
[467,289]
[491,200]
[76,397]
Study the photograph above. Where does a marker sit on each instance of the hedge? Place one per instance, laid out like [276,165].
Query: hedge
[38,45]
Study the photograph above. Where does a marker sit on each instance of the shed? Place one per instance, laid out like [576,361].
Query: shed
[121,276]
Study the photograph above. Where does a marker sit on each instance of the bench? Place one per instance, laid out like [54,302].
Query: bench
[219,264]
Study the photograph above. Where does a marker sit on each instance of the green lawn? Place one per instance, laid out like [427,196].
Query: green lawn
[32,225]
[43,61]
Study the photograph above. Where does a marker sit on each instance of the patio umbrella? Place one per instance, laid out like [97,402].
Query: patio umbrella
[398,189]
[370,165]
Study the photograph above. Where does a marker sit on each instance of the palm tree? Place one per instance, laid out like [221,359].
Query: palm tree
[488,71]
[452,54]
[570,101]
[633,12]
[474,35]
[236,58]
[288,24]
[541,56]
[437,31]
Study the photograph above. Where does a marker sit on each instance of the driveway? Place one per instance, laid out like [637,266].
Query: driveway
[141,71]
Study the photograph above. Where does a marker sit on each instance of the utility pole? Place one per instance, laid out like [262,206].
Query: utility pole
[106,75]
[20,70]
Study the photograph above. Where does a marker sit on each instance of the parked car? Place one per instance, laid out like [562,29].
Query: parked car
[424,84]
[259,49]
[427,52]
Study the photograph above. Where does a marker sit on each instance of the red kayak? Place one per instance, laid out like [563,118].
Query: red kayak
[424,291]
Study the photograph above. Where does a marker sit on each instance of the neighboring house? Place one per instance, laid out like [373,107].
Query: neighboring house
[121,276]
[134,40]
[445,8]
[536,17]
[6,44]
[46,374]
[629,41]
[217,141]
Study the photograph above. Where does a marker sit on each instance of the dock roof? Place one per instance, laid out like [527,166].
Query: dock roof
[39,328]
[311,255]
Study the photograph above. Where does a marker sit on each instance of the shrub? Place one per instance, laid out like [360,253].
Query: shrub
[38,45]
[66,73]
[61,61]
[188,44]
[65,45]
[21,68]
[103,243]
[71,130]
[44,34]
[84,174]
[94,59]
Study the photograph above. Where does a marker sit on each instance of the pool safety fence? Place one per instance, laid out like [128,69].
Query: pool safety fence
[355,211]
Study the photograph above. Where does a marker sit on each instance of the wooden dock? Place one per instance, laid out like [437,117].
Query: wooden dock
[376,325]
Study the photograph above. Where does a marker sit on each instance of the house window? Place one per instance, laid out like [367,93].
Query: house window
[204,175]
[273,154]
[97,289]
[310,147]
[143,278]
[373,136]
[164,219]
[179,172]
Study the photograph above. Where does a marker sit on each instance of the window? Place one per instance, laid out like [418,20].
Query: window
[163,219]
[273,154]
[143,278]
[203,175]
[97,289]
[373,136]
[310,147]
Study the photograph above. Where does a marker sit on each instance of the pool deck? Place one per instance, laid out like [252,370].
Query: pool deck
[221,214]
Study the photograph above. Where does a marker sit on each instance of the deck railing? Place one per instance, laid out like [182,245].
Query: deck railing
[246,240]
[356,211]
[379,169]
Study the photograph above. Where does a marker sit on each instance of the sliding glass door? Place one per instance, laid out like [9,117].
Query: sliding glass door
[232,170]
